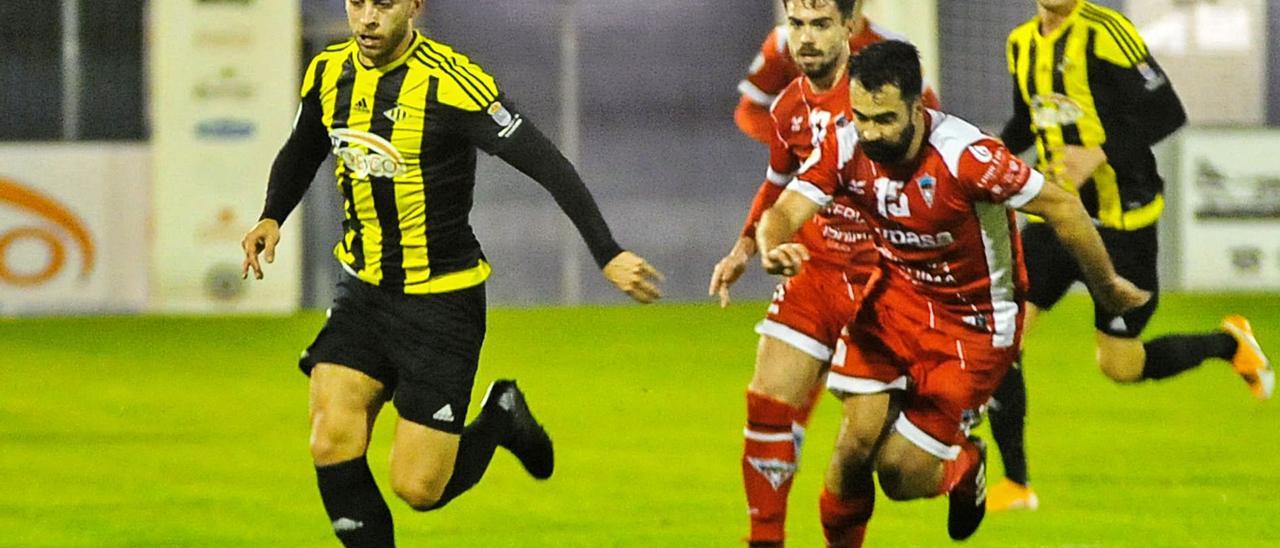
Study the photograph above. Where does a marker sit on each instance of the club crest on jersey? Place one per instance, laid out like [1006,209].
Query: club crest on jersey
[500,114]
[927,185]
[797,122]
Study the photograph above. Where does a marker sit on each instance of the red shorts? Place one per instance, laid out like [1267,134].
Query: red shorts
[810,309]
[949,369]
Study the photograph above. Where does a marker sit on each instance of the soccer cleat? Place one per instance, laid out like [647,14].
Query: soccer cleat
[528,441]
[1249,360]
[968,499]
[1011,495]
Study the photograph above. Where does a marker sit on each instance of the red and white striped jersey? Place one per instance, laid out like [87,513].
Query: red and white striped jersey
[943,222]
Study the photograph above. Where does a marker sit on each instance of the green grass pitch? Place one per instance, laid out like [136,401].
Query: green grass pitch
[193,432]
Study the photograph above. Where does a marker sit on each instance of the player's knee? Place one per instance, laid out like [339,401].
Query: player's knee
[421,494]
[893,480]
[334,445]
[1119,368]
[855,445]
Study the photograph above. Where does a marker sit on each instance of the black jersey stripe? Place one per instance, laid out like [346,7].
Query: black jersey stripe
[467,86]
[1116,37]
[1070,131]
[1015,49]
[384,188]
[352,224]
[341,113]
[452,61]
[465,89]
[450,65]
[1032,92]
[1118,34]
[1119,22]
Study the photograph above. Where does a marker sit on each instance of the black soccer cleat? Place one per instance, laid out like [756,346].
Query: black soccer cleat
[527,440]
[968,499]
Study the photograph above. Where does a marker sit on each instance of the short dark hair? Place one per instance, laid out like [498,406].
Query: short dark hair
[844,6]
[889,62]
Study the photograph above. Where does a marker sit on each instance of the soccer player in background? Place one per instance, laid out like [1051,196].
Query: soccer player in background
[404,114]
[941,320]
[1091,98]
[808,311]
[776,66]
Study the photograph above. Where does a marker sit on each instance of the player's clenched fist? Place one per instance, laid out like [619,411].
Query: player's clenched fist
[634,276]
[785,259]
[262,238]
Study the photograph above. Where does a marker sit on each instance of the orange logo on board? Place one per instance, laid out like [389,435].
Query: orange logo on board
[31,201]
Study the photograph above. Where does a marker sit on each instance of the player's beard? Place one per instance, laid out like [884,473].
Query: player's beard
[821,71]
[885,151]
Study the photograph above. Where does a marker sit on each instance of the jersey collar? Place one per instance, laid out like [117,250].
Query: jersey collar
[1067,21]
[418,39]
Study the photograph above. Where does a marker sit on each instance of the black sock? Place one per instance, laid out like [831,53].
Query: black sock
[1007,421]
[1172,354]
[358,513]
[475,450]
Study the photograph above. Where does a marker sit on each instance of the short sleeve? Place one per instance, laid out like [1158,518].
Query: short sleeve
[782,163]
[989,172]
[770,71]
[818,178]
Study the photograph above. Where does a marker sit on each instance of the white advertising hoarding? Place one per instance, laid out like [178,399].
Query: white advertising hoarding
[224,76]
[73,228]
[1210,49]
[1229,209]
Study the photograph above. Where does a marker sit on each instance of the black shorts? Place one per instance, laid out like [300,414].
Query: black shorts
[1051,270]
[424,348]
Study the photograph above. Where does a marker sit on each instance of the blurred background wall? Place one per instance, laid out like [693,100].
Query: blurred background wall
[655,91]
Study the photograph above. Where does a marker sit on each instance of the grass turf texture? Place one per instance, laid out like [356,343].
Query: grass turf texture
[192,432]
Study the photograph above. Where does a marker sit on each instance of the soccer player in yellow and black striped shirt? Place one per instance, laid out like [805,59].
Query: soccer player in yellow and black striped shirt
[1091,98]
[404,115]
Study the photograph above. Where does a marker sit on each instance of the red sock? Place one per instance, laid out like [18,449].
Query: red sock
[768,464]
[953,470]
[844,520]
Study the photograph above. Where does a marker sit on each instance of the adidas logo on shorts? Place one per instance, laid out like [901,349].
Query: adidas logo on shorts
[444,414]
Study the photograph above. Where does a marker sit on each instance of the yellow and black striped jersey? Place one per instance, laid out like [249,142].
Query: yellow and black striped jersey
[404,135]
[1092,82]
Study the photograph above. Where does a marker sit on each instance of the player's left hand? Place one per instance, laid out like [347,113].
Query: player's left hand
[785,259]
[634,276]
[1078,164]
[262,238]
[1120,296]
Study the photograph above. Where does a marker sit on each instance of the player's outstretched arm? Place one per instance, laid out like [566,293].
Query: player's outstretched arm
[291,173]
[1071,223]
[529,151]
[778,224]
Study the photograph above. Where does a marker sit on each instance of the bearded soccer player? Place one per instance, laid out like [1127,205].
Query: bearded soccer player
[809,310]
[940,322]
[777,65]
[403,115]
[1091,98]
